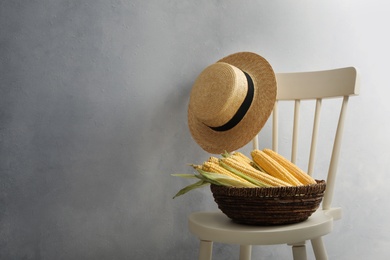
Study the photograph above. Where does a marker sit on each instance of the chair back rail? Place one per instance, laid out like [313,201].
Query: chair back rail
[319,85]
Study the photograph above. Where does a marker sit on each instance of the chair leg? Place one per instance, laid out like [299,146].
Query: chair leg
[245,252]
[299,251]
[319,249]
[205,250]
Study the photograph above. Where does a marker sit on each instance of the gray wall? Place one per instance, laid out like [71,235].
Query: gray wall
[93,100]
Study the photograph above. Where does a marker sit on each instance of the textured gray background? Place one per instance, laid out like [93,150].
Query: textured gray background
[93,100]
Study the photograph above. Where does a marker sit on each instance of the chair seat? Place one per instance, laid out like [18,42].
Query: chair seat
[217,227]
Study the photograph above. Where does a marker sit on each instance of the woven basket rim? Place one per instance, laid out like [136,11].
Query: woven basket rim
[283,191]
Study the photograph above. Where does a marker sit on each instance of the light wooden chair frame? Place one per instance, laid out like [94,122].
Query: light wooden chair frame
[212,227]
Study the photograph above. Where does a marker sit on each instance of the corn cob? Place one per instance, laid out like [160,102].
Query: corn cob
[273,168]
[212,166]
[213,159]
[251,174]
[300,175]
[246,160]
[242,157]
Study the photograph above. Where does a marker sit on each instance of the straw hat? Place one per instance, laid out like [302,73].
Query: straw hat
[230,102]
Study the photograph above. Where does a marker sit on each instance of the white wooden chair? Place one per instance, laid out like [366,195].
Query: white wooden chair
[212,227]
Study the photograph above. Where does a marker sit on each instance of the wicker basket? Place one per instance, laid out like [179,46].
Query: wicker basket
[269,206]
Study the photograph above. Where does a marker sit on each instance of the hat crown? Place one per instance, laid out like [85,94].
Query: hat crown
[226,112]
[217,94]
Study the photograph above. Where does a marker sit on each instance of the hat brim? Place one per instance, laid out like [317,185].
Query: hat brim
[265,90]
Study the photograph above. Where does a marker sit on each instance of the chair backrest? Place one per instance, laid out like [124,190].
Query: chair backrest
[315,85]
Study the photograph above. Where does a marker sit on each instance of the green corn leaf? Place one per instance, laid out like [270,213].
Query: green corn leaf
[204,176]
[221,179]
[226,154]
[193,186]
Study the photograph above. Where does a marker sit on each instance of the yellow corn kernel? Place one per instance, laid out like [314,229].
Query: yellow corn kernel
[299,174]
[273,168]
[251,174]
[241,156]
[213,159]
[213,167]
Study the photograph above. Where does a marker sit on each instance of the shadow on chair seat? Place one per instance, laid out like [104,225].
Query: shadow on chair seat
[215,226]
